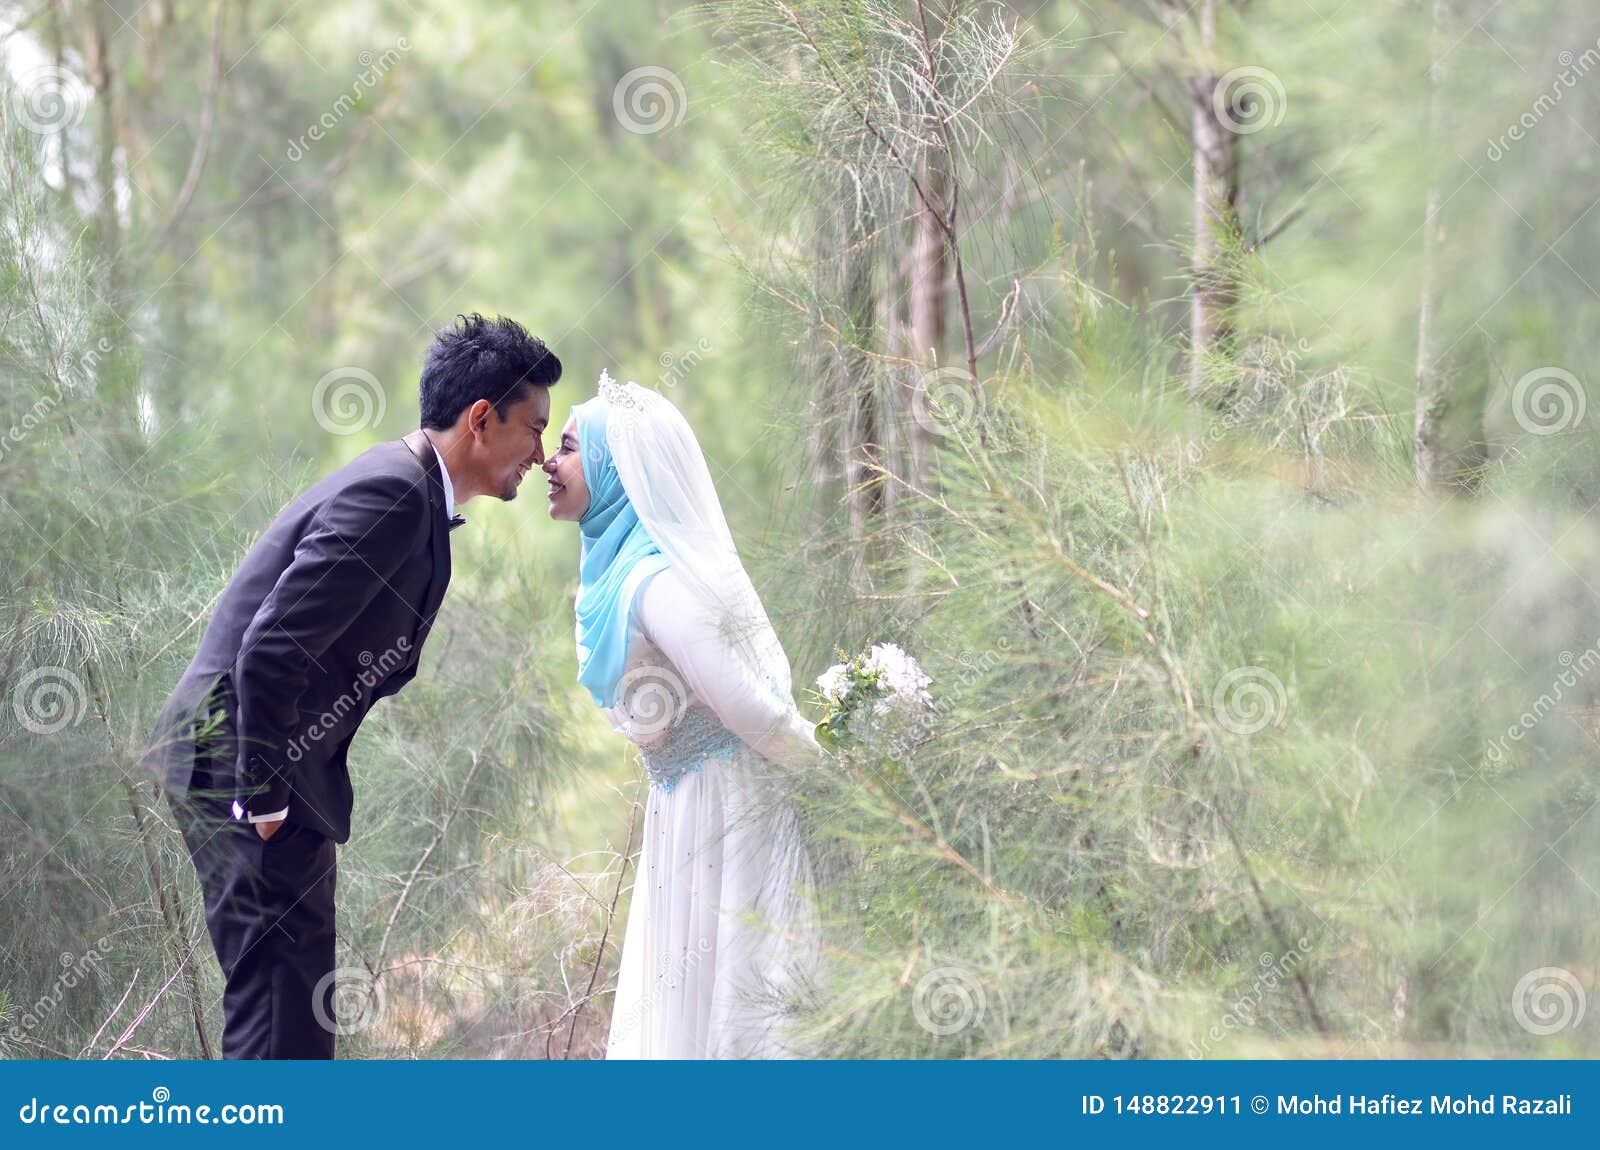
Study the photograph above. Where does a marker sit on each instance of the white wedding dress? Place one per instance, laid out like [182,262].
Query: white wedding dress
[721,925]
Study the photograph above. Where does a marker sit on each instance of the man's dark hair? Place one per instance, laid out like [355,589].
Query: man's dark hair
[477,358]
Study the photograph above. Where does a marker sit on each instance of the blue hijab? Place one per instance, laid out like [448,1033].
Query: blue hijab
[618,556]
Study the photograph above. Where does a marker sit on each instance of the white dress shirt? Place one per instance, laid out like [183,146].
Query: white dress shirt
[449,510]
[449,488]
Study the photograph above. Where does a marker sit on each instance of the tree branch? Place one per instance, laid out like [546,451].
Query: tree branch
[202,143]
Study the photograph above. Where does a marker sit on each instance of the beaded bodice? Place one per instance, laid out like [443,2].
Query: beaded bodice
[698,735]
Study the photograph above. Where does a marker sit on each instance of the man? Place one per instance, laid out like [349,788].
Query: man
[326,615]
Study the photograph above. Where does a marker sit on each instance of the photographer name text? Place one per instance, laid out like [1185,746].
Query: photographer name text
[1314,1105]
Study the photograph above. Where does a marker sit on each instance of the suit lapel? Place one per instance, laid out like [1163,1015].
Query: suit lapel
[422,451]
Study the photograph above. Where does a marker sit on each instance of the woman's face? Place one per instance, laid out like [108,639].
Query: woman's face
[569,494]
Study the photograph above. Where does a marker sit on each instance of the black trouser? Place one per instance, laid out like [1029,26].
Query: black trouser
[269,910]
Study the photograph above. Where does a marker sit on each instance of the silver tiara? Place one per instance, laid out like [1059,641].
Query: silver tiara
[621,395]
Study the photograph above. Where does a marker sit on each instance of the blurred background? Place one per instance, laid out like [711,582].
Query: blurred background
[1196,388]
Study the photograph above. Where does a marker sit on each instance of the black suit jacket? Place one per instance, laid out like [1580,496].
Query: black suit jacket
[326,615]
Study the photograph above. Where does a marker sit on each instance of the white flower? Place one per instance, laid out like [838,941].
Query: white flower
[897,671]
[834,683]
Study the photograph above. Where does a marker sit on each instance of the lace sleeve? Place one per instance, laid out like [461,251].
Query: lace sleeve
[672,618]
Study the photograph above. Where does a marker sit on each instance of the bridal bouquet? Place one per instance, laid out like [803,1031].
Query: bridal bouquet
[878,699]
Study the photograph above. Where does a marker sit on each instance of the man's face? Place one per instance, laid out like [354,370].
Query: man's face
[506,450]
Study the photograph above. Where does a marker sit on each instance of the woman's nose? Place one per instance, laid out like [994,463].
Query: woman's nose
[549,466]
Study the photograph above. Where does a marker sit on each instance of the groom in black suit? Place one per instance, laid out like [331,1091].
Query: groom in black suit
[326,615]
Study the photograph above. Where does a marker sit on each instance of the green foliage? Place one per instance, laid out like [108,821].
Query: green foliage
[1238,745]
[1207,733]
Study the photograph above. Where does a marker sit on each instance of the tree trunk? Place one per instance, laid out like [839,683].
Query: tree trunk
[608,62]
[1433,398]
[100,79]
[929,298]
[58,48]
[857,388]
[109,371]
[1216,193]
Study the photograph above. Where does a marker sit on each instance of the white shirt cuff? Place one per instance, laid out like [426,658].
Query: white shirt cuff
[240,813]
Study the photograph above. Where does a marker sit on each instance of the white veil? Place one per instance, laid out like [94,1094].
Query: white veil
[664,473]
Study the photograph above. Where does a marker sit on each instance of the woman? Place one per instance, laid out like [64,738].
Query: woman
[673,642]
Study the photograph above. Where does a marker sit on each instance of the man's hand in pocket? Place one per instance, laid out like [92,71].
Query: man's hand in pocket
[267,830]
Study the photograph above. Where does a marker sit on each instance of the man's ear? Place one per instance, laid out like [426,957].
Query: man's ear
[478,417]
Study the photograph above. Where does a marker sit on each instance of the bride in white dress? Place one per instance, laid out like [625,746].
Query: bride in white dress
[673,642]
